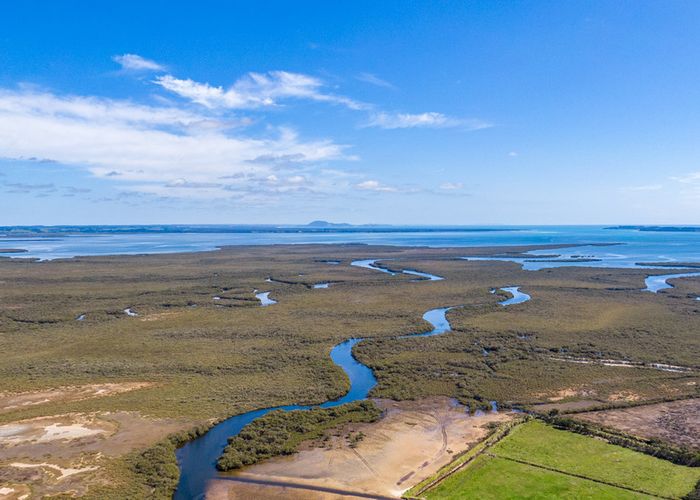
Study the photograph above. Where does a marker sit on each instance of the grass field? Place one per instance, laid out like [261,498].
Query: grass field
[497,478]
[538,461]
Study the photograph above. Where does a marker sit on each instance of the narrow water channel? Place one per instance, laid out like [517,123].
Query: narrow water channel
[197,459]
[371,264]
[518,297]
[660,281]
[264,298]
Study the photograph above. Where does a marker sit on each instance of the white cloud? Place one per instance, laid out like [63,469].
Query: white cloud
[174,149]
[255,90]
[93,109]
[690,178]
[513,154]
[184,183]
[451,186]
[689,185]
[422,120]
[155,149]
[372,185]
[134,62]
[373,79]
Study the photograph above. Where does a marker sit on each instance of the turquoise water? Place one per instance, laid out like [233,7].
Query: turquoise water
[197,458]
[637,246]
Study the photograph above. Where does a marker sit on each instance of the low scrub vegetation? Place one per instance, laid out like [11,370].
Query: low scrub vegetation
[208,359]
[280,433]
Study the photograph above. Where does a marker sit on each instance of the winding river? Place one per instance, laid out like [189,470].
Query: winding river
[518,296]
[264,298]
[658,282]
[371,264]
[197,458]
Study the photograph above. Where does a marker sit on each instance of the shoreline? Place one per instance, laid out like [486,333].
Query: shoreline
[514,248]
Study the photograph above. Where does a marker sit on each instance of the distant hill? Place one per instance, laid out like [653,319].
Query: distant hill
[318,226]
[323,223]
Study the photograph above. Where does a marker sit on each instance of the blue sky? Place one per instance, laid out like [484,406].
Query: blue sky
[394,112]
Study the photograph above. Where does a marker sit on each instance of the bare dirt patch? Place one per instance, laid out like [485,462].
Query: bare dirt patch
[413,440]
[47,478]
[9,491]
[161,316]
[66,453]
[249,491]
[568,406]
[627,396]
[69,436]
[45,432]
[15,401]
[677,422]
[569,393]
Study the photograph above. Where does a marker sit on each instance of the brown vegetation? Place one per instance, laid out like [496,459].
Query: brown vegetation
[190,359]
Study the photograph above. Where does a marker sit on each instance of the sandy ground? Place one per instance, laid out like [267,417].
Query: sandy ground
[13,401]
[569,405]
[43,433]
[677,422]
[68,436]
[65,453]
[413,440]
[14,491]
[568,393]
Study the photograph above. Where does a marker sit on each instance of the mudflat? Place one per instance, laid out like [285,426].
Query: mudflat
[411,442]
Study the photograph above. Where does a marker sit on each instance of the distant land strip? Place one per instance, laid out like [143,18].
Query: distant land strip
[10,231]
[661,229]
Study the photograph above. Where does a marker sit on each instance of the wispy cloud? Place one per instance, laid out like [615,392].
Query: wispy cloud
[255,90]
[173,149]
[451,186]
[690,178]
[373,79]
[23,187]
[134,62]
[689,185]
[372,185]
[387,120]
[157,149]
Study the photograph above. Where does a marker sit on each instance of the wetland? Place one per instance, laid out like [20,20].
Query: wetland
[190,362]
